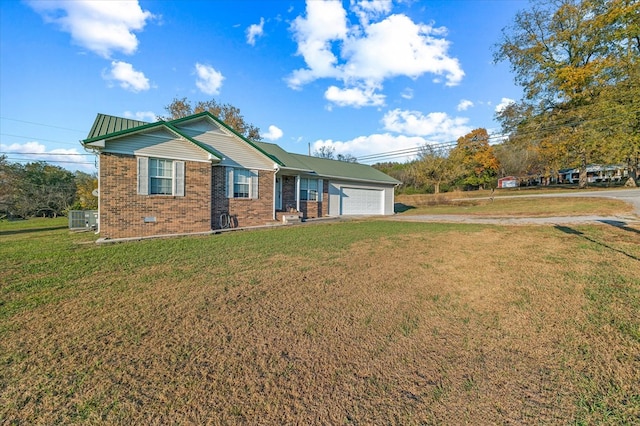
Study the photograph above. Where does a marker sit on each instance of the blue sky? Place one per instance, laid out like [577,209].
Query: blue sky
[363,77]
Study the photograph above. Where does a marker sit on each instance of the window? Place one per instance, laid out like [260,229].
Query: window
[158,176]
[310,189]
[242,183]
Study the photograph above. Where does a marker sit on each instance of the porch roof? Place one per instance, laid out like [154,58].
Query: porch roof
[327,168]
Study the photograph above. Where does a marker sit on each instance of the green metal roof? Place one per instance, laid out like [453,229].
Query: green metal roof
[108,127]
[327,168]
[107,124]
[285,159]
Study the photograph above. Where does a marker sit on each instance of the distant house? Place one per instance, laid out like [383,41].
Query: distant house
[508,182]
[182,176]
[595,173]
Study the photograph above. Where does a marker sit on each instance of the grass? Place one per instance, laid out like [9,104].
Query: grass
[501,206]
[366,322]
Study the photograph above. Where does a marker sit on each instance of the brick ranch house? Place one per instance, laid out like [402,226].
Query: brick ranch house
[180,176]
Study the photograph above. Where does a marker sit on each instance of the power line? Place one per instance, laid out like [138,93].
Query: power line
[42,124]
[50,161]
[37,139]
[409,152]
[41,153]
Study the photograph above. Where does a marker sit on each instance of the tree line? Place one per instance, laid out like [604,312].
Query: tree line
[472,163]
[41,189]
[578,62]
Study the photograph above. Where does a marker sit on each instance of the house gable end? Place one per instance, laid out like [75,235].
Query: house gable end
[223,127]
[200,125]
[159,142]
[233,149]
[111,134]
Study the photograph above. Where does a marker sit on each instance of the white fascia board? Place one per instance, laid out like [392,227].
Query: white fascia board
[97,144]
[292,169]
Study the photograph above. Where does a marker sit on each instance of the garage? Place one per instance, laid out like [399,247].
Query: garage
[354,201]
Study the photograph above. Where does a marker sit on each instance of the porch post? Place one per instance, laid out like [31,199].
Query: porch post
[275,190]
[298,193]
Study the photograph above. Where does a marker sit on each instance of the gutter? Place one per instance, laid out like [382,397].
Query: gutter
[394,182]
[293,169]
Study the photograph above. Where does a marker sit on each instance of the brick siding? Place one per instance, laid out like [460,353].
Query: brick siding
[244,212]
[288,193]
[123,211]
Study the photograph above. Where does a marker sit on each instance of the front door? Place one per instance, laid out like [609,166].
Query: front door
[278,193]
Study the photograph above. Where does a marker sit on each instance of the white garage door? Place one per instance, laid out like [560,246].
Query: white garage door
[361,201]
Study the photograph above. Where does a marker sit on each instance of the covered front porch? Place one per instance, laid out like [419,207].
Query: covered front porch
[301,193]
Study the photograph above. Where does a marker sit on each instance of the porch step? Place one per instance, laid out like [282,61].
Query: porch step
[291,218]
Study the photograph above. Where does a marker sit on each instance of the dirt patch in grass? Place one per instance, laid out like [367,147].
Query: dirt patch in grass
[407,324]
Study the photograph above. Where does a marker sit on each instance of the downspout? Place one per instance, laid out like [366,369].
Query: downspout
[97,153]
[99,197]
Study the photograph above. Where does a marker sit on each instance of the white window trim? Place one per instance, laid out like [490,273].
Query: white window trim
[177,177]
[320,189]
[253,184]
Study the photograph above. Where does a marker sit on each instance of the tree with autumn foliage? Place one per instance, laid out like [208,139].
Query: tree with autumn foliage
[435,167]
[85,185]
[578,62]
[228,113]
[35,189]
[476,158]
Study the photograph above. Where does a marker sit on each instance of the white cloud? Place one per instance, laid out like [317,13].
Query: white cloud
[255,30]
[375,144]
[464,105]
[355,97]
[148,116]
[368,53]
[67,158]
[407,93]
[103,27]
[273,134]
[127,76]
[406,132]
[366,10]
[325,22]
[209,81]
[397,46]
[504,102]
[436,126]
